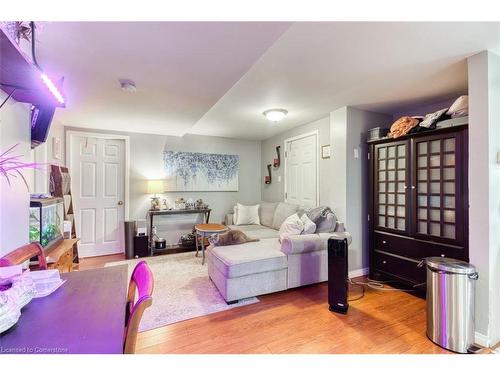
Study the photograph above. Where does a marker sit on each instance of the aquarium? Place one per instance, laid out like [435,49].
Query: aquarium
[46,221]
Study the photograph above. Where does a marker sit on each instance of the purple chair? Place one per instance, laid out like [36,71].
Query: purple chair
[142,282]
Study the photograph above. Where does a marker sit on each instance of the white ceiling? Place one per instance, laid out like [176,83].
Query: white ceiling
[218,78]
[180,69]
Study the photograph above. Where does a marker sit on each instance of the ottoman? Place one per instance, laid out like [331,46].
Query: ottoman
[248,270]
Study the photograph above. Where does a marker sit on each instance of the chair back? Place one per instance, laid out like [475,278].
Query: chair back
[142,283]
[24,253]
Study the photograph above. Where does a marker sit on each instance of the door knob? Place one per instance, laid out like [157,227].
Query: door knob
[120,203]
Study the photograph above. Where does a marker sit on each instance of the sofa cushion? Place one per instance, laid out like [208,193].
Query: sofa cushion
[291,226]
[256,231]
[266,213]
[247,214]
[309,226]
[326,224]
[283,210]
[248,258]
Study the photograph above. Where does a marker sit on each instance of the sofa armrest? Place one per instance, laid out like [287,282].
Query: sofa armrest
[308,243]
[229,219]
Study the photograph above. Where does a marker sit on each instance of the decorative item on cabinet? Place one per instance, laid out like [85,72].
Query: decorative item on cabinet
[277,162]
[267,179]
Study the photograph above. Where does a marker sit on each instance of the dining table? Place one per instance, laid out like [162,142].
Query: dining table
[84,315]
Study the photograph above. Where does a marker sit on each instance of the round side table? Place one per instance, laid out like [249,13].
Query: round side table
[205,230]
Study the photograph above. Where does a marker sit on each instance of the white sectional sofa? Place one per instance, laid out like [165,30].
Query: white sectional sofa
[267,266]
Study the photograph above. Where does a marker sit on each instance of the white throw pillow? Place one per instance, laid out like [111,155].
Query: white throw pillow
[291,226]
[247,214]
[309,226]
[235,214]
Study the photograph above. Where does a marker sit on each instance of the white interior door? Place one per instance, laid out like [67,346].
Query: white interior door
[98,189]
[301,172]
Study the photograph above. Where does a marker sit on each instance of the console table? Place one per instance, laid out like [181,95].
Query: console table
[153,213]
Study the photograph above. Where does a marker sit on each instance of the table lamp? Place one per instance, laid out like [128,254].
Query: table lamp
[155,187]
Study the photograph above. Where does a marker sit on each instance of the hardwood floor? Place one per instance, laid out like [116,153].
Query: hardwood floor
[298,321]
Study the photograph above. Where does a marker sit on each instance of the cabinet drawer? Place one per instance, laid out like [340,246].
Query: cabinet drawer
[397,266]
[416,249]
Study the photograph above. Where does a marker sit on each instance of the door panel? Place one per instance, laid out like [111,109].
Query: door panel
[98,188]
[391,176]
[301,171]
[437,195]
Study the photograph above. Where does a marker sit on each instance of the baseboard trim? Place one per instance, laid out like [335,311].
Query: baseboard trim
[481,339]
[359,272]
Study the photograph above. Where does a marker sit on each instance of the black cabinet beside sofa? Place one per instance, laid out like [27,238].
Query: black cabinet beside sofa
[418,202]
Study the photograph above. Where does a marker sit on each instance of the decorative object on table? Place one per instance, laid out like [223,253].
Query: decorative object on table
[267,179]
[155,187]
[194,171]
[46,221]
[159,243]
[277,162]
[188,240]
[164,205]
[190,204]
[60,187]
[12,165]
[200,204]
[376,133]
[56,148]
[180,204]
[325,152]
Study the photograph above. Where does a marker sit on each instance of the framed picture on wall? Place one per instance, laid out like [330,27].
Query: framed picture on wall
[325,152]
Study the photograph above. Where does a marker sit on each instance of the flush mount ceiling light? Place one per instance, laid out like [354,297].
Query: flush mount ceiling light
[128,85]
[275,115]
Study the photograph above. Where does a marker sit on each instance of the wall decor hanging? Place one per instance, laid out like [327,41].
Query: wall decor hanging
[196,171]
[267,179]
[277,161]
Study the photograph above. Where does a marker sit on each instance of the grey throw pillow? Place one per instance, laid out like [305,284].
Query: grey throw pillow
[266,213]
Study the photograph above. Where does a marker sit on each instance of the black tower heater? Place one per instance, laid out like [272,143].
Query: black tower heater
[337,275]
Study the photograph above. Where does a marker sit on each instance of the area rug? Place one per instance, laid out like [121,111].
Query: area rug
[182,290]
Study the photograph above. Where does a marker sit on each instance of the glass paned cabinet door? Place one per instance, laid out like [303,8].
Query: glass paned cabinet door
[391,177]
[436,186]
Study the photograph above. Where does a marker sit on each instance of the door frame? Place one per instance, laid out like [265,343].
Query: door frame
[291,139]
[77,133]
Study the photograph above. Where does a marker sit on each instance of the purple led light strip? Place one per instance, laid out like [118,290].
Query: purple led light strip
[52,88]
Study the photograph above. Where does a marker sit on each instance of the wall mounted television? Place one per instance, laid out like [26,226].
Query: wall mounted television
[41,118]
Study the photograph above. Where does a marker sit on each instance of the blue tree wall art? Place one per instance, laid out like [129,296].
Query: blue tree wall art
[196,171]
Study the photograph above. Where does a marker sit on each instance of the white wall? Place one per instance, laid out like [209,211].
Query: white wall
[484,191]
[275,192]
[14,199]
[350,191]
[146,162]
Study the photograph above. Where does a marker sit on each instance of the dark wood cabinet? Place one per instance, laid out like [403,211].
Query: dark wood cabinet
[418,203]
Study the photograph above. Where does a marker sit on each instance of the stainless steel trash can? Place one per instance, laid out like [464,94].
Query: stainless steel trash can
[450,303]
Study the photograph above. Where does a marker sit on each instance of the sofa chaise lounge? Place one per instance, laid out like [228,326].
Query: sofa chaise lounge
[267,266]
